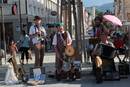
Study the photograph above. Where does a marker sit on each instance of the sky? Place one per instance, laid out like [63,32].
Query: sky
[89,3]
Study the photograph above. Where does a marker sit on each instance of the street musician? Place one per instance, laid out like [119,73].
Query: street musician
[61,40]
[103,56]
[37,34]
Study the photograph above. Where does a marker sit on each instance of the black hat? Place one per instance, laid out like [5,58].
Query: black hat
[37,18]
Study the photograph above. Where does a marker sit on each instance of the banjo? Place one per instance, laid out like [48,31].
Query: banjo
[69,50]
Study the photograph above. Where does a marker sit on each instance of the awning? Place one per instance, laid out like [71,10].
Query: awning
[51,25]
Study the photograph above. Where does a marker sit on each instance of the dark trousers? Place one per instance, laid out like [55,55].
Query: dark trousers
[24,51]
[39,55]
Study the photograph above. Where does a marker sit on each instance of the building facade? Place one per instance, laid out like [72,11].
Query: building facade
[127,9]
[25,12]
[122,9]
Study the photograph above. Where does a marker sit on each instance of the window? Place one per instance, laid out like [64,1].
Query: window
[0,1]
[42,2]
[5,1]
[34,10]
[38,11]
[30,9]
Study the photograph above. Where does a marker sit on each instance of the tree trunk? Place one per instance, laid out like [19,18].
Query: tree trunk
[84,42]
[69,18]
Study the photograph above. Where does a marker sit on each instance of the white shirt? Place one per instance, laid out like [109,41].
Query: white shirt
[33,31]
[69,40]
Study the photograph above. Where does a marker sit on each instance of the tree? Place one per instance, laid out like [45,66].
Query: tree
[98,12]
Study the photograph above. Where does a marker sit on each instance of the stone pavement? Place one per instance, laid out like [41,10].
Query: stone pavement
[87,79]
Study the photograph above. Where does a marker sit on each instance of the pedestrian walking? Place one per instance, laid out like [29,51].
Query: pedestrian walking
[60,41]
[37,34]
[24,46]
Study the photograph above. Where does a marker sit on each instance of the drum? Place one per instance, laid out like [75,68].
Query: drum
[107,51]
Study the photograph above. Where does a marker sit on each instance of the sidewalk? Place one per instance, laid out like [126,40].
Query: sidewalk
[49,57]
[87,79]
[49,60]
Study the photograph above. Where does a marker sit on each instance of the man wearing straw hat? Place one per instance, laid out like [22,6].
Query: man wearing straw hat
[61,39]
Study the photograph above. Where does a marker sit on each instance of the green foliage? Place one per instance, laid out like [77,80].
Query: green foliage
[98,13]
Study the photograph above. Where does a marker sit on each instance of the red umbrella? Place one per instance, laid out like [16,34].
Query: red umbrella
[115,20]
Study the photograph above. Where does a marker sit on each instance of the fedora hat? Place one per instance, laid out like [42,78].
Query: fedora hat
[37,18]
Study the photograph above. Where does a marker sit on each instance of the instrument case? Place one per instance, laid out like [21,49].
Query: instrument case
[123,69]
